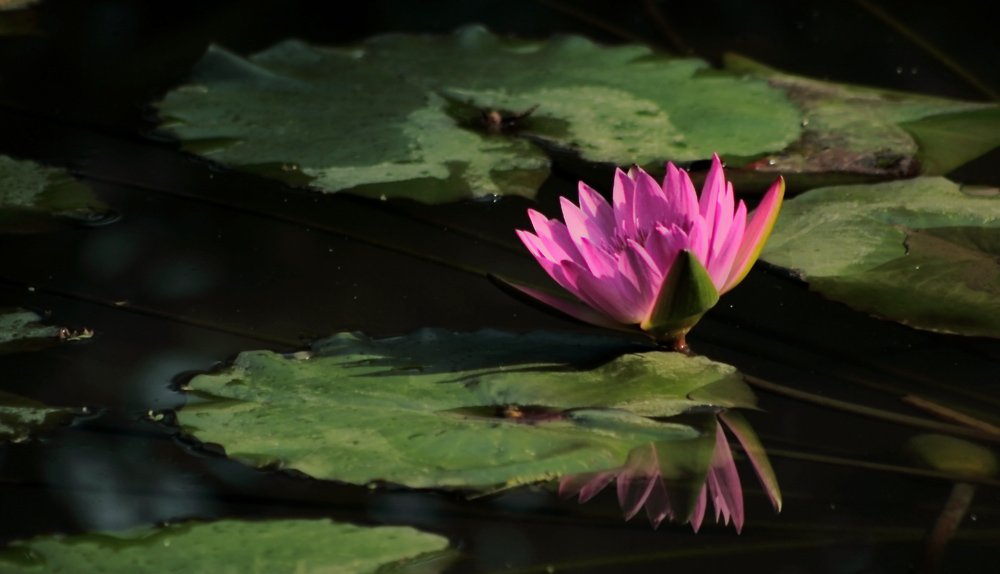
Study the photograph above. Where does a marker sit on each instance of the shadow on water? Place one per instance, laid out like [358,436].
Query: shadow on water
[206,262]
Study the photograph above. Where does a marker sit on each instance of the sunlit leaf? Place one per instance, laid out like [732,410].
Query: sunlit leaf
[440,118]
[38,198]
[437,409]
[918,251]
[853,130]
[273,546]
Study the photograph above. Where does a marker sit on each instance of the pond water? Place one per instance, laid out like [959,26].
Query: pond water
[206,262]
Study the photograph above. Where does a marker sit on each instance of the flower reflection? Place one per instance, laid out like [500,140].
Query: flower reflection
[663,477]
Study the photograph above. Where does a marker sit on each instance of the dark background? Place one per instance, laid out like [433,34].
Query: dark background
[210,262]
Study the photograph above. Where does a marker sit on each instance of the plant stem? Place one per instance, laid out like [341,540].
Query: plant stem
[952,66]
[950,414]
[128,307]
[870,412]
[879,467]
[951,516]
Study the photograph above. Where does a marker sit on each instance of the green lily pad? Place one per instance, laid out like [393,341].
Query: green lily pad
[871,132]
[407,115]
[918,251]
[39,198]
[438,409]
[22,330]
[439,118]
[273,546]
[20,417]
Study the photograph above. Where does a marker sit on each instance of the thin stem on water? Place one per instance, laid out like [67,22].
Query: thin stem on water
[950,414]
[129,307]
[931,50]
[569,10]
[677,43]
[871,412]
[879,467]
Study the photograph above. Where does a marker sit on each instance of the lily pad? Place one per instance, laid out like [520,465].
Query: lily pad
[20,417]
[39,198]
[918,251]
[407,115]
[871,132]
[446,410]
[439,118]
[22,330]
[292,546]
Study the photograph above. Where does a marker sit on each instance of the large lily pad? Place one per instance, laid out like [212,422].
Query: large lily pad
[919,251]
[438,409]
[38,198]
[401,115]
[274,546]
[870,132]
[439,118]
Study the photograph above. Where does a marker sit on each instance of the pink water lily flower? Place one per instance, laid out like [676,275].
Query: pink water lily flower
[655,259]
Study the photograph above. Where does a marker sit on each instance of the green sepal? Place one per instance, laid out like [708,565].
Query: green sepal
[687,292]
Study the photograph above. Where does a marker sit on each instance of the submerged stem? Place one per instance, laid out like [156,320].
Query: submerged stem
[951,516]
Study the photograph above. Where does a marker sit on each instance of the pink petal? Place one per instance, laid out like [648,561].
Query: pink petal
[698,514]
[639,268]
[720,267]
[597,484]
[599,262]
[558,245]
[663,245]
[698,239]
[621,197]
[579,226]
[715,186]
[586,484]
[681,197]
[723,220]
[756,233]
[614,296]
[649,205]
[574,309]
[597,210]
[540,249]
[637,479]
[724,481]
[658,504]
[754,450]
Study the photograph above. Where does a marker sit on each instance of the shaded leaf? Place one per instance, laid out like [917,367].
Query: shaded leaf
[22,330]
[292,546]
[38,198]
[917,251]
[20,417]
[872,132]
[438,409]
[953,455]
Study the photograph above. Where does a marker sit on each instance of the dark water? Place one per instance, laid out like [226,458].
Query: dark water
[205,280]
